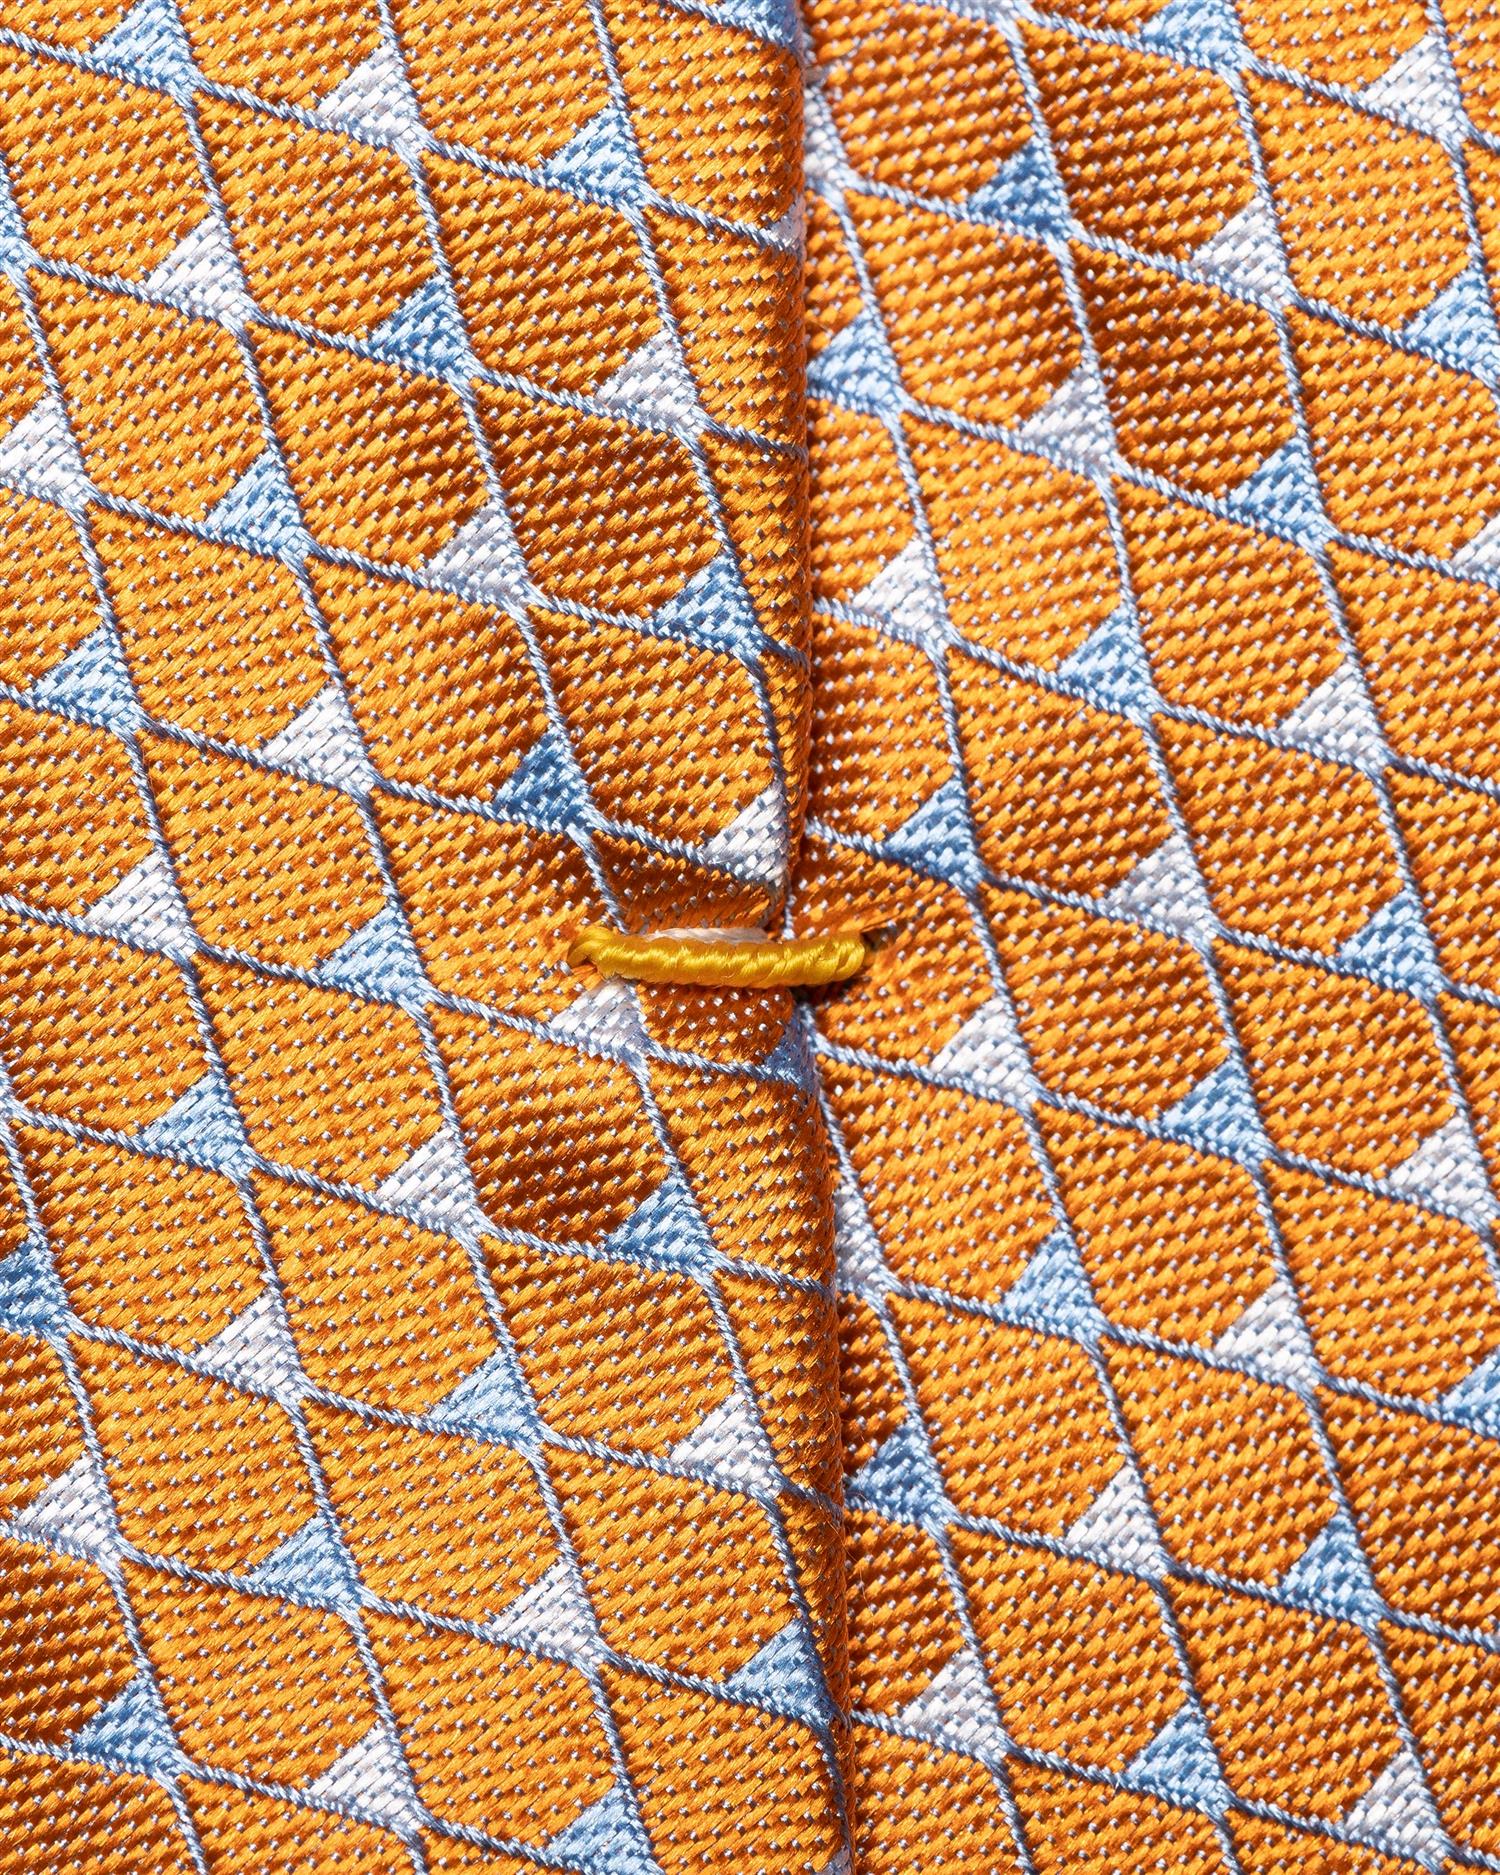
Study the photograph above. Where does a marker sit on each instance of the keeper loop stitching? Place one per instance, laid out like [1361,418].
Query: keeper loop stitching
[723,960]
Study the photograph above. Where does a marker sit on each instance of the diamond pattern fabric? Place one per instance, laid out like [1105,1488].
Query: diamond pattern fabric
[1151,404]
[420,1358]
[1020,480]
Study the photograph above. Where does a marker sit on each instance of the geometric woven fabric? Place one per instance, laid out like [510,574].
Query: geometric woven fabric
[1156,534]
[418,1367]
[1025,480]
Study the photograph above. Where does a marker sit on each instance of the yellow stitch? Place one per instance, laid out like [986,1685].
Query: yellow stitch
[727,962]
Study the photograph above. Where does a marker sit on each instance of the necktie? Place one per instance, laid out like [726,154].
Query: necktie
[1013,483]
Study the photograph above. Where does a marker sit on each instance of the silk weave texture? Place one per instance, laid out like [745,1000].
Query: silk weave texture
[1022,480]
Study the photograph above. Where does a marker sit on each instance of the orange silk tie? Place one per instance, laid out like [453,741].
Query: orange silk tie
[749,959]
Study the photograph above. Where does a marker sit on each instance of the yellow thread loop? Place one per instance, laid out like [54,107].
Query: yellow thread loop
[730,963]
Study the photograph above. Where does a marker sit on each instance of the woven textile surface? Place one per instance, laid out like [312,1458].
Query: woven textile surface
[1023,481]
